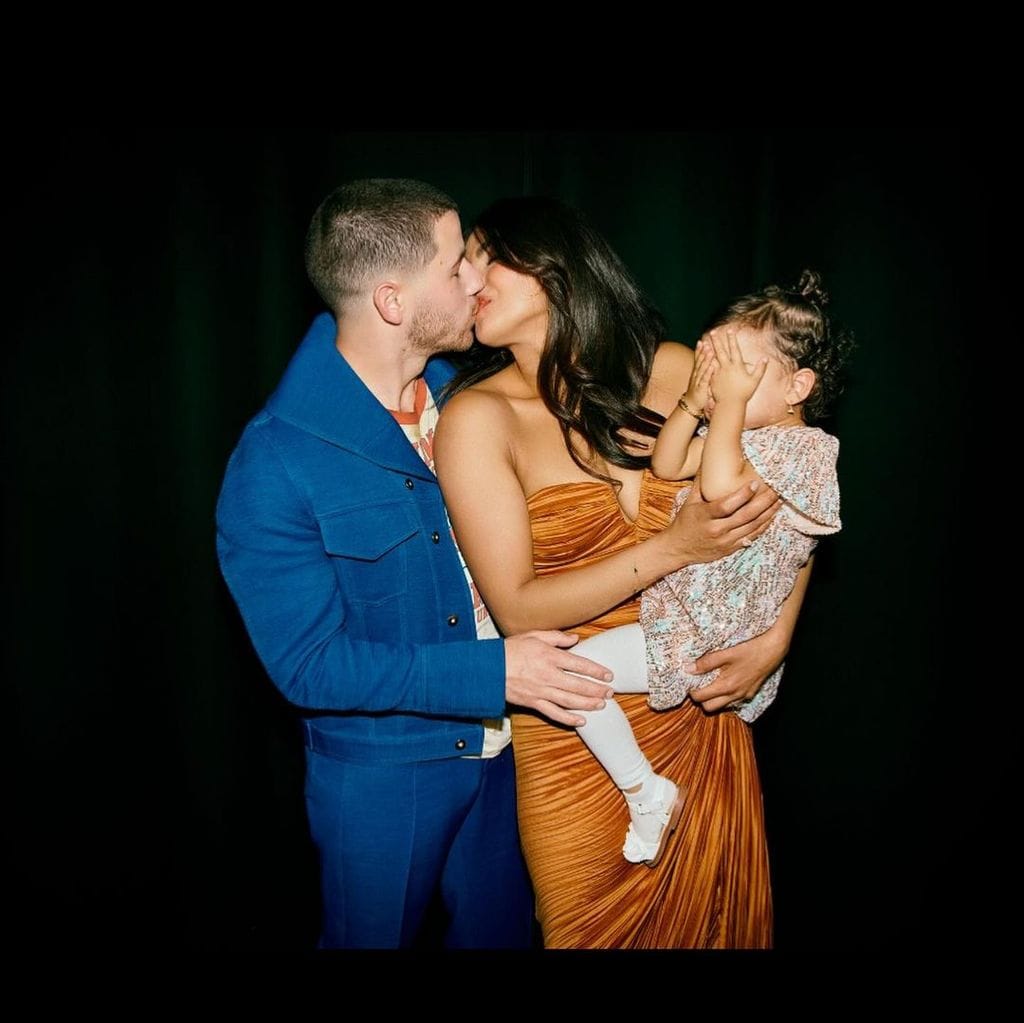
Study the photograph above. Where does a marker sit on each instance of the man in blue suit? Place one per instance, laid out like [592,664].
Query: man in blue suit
[334,541]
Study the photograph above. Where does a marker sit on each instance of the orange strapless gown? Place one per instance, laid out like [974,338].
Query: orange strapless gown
[711,888]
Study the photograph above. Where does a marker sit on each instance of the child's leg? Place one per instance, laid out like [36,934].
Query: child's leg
[607,732]
[624,651]
[655,803]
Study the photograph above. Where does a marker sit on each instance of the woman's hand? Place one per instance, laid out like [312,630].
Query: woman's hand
[709,530]
[732,379]
[742,668]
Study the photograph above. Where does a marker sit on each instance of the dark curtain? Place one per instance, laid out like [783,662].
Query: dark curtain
[157,292]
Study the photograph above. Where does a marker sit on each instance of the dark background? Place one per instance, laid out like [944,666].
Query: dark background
[156,293]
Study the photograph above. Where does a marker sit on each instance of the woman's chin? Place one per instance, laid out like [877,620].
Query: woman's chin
[484,340]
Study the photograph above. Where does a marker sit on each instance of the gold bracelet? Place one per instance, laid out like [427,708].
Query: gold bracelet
[699,416]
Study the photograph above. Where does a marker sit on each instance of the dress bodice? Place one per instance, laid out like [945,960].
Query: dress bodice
[574,524]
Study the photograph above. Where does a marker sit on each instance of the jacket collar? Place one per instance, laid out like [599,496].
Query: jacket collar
[321,394]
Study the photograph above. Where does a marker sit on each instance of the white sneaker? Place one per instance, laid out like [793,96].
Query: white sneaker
[652,821]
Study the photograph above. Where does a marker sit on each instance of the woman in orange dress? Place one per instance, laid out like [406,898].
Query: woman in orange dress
[544,455]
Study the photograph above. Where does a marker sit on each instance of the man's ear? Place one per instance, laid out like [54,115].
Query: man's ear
[800,386]
[389,303]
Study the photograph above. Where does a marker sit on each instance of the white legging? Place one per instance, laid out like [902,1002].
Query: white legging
[607,732]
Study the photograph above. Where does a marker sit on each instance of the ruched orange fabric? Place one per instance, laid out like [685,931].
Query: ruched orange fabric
[711,888]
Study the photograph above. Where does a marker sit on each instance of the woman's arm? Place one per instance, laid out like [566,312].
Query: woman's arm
[488,511]
[744,667]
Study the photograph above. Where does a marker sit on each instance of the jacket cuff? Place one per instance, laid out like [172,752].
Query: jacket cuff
[464,679]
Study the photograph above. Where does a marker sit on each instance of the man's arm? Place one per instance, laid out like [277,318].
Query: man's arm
[272,556]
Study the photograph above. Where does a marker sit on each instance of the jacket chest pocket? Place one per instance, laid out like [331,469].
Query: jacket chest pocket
[370,549]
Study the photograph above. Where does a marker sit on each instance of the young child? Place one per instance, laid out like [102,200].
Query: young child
[767,367]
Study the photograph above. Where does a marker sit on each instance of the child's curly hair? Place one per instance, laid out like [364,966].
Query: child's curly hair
[803,332]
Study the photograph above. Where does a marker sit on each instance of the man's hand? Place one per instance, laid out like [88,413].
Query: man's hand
[709,530]
[537,666]
[742,668]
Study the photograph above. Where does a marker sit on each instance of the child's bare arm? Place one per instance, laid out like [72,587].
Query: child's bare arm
[677,453]
[723,466]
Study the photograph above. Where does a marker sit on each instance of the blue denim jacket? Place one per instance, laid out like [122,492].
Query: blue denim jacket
[333,539]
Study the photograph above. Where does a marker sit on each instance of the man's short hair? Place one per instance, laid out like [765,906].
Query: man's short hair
[370,228]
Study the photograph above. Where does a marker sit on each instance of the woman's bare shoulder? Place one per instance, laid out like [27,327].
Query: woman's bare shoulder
[669,376]
[490,397]
[477,402]
[671,359]
[480,414]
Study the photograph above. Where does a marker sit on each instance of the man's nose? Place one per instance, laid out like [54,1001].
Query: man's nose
[474,279]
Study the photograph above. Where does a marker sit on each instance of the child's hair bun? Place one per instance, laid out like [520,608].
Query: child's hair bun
[809,288]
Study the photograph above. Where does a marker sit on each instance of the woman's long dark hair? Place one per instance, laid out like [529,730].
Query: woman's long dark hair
[602,330]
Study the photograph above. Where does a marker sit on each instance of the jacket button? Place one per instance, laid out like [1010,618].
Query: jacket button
[453,619]
[409,484]
[435,536]
[460,744]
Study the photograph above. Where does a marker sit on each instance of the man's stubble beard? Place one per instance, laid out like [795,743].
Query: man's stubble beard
[432,332]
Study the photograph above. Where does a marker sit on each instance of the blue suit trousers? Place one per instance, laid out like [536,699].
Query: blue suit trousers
[390,836]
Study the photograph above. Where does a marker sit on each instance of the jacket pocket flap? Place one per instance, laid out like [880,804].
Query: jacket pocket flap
[368,532]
